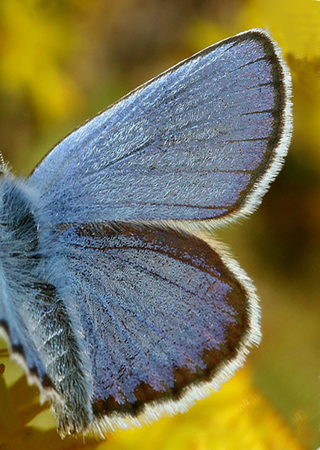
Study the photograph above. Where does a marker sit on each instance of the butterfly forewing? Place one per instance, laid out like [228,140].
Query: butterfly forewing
[194,143]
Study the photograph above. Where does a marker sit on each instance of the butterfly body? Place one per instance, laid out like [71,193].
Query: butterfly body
[31,311]
[113,298]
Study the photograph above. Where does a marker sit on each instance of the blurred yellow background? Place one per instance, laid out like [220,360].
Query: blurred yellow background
[61,62]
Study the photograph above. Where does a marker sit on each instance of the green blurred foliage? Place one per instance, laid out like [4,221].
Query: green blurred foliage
[62,61]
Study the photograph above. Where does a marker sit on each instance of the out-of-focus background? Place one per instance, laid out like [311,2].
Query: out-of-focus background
[61,61]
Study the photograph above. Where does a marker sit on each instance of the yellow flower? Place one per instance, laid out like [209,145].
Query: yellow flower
[236,417]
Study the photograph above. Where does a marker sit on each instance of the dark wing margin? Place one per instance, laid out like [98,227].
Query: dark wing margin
[164,315]
[201,141]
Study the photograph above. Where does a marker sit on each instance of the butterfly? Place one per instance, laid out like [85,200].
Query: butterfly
[114,297]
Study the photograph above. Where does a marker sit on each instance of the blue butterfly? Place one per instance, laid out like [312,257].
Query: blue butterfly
[114,298]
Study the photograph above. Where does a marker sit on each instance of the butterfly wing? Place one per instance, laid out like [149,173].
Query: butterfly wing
[164,317]
[158,316]
[201,141]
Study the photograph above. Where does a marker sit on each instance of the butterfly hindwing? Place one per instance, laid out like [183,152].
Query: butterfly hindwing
[160,311]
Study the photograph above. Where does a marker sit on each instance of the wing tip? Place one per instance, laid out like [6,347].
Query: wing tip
[254,199]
